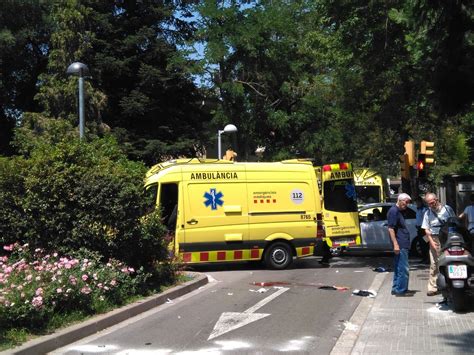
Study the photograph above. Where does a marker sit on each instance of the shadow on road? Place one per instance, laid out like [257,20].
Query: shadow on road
[369,260]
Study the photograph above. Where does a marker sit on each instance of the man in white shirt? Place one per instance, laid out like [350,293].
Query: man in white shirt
[434,218]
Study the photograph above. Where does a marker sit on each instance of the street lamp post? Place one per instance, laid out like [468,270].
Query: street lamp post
[81,70]
[227,129]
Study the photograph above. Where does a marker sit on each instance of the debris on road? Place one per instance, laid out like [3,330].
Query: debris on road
[260,290]
[365,293]
[336,288]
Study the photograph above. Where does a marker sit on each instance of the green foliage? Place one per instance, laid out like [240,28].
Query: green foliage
[340,81]
[323,79]
[12,221]
[69,194]
[24,36]
[70,42]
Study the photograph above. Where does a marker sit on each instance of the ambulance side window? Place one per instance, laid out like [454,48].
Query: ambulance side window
[169,205]
[337,197]
[150,198]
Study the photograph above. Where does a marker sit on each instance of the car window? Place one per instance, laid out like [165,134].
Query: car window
[410,214]
[385,210]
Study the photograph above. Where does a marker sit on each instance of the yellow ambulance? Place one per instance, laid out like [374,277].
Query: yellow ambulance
[220,210]
[339,213]
[370,186]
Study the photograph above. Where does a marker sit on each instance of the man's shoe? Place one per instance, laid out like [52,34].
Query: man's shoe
[405,294]
[324,263]
[432,293]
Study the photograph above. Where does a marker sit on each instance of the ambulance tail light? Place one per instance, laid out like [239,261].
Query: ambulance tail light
[320,229]
[344,166]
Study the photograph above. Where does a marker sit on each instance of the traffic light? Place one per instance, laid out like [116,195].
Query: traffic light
[421,166]
[410,152]
[427,148]
[404,167]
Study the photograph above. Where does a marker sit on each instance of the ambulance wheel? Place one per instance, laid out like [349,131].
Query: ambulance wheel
[278,256]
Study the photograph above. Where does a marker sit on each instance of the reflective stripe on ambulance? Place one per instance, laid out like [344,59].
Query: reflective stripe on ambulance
[234,255]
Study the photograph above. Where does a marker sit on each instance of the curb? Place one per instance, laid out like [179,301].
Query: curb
[45,344]
[346,341]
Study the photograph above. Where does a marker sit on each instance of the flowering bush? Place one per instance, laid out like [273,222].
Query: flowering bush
[34,285]
[66,194]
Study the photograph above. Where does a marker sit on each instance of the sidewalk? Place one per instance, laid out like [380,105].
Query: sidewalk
[406,325]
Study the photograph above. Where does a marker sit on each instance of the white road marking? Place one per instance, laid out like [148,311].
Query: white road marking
[229,321]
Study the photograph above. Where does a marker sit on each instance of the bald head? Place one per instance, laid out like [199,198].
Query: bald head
[432,201]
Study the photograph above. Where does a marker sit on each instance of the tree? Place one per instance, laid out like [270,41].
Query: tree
[152,106]
[24,34]
[441,54]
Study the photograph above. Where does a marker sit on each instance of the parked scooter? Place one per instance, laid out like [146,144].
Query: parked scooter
[456,264]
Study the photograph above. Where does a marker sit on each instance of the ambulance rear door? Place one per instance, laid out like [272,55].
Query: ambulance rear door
[340,214]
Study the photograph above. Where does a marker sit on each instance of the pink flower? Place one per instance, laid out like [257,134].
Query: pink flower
[8,247]
[29,277]
[39,291]
[72,280]
[37,301]
[59,290]
[86,290]
[84,277]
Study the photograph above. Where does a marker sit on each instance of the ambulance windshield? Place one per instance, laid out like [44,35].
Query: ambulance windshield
[150,198]
[368,194]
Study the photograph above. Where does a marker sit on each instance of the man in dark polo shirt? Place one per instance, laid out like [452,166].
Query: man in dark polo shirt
[400,237]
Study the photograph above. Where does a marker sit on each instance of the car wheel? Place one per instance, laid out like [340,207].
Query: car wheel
[278,256]
[417,247]
[336,251]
